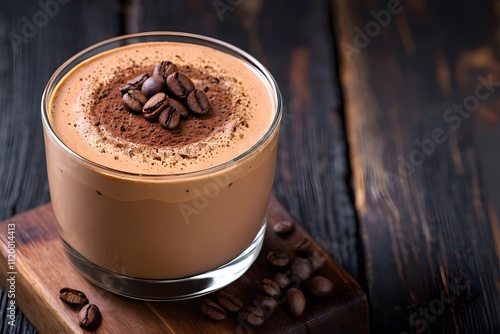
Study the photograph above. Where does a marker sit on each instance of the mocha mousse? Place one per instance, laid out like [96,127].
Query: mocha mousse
[146,196]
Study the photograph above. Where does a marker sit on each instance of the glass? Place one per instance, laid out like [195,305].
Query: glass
[126,232]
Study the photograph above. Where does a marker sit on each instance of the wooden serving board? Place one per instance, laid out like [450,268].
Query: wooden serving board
[42,269]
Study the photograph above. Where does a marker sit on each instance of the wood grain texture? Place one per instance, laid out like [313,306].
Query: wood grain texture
[43,269]
[428,214]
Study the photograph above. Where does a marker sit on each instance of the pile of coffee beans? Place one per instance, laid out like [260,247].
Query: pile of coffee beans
[166,97]
[89,316]
[294,278]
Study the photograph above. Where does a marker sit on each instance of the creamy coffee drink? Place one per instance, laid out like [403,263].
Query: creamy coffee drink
[145,201]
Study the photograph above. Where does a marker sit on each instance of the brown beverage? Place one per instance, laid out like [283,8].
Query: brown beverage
[135,199]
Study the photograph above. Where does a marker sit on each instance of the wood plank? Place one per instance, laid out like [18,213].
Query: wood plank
[42,269]
[428,215]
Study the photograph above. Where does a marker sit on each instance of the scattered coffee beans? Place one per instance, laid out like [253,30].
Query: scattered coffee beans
[283,227]
[73,297]
[317,260]
[270,287]
[179,85]
[295,302]
[90,317]
[301,268]
[198,102]
[254,316]
[212,311]
[278,259]
[229,301]
[302,246]
[282,280]
[319,286]
[169,118]
[266,303]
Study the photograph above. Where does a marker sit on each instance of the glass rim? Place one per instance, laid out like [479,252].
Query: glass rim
[160,36]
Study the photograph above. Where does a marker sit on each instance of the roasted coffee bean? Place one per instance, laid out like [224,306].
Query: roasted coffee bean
[133,101]
[164,69]
[179,106]
[153,85]
[302,246]
[154,106]
[319,286]
[90,317]
[169,118]
[283,227]
[266,303]
[254,316]
[73,297]
[229,301]
[278,259]
[198,102]
[179,85]
[135,83]
[295,302]
[212,311]
[282,280]
[301,268]
[270,287]
[317,260]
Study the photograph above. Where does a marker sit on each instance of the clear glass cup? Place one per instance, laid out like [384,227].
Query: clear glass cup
[125,231]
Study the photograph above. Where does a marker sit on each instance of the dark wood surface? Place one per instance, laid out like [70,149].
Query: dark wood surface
[424,242]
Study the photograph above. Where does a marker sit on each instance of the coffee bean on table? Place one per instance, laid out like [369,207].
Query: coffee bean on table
[90,317]
[153,85]
[283,227]
[317,260]
[302,246]
[198,102]
[319,286]
[295,302]
[270,287]
[212,311]
[133,101]
[135,83]
[229,301]
[73,297]
[179,106]
[278,259]
[282,280]
[154,106]
[266,303]
[254,316]
[301,268]
[179,85]
[169,118]
[164,69]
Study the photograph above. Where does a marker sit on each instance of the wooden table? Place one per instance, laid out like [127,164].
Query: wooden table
[389,145]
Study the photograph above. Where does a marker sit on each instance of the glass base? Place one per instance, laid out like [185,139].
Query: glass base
[169,289]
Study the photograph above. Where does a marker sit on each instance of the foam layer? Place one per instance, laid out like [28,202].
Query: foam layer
[88,116]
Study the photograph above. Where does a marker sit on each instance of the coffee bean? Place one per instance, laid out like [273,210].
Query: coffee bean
[282,280]
[295,302]
[229,301]
[301,268]
[317,260]
[254,316]
[179,85]
[73,297]
[153,85]
[135,83]
[212,310]
[169,118]
[302,246]
[198,102]
[90,317]
[278,259]
[133,101]
[179,106]
[319,286]
[154,106]
[270,287]
[283,227]
[266,303]
[164,69]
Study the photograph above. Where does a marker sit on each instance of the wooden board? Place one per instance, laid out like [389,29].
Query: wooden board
[41,269]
